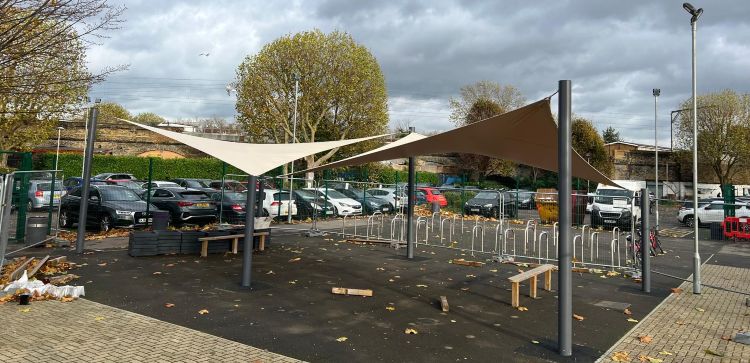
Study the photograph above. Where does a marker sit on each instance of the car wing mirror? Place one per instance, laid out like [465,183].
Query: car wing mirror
[94,198]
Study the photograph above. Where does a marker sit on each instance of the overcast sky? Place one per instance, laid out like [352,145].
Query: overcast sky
[615,52]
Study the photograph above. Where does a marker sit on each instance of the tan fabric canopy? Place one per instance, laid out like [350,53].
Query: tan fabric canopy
[527,135]
[254,159]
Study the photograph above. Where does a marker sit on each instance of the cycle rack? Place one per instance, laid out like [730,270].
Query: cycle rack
[591,245]
[397,218]
[505,240]
[432,221]
[546,239]
[450,230]
[474,234]
[578,236]
[371,224]
[420,221]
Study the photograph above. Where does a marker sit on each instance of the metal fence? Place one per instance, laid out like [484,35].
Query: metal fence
[32,200]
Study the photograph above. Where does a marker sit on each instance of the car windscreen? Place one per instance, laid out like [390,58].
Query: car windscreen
[45,187]
[486,195]
[193,195]
[333,194]
[196,183]
[233,196]
[283,196]
[307,195]
[118,194]
[605,196]
[434,191]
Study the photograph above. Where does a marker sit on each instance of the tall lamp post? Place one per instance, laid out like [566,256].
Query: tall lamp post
[294,141]
[695,14]
[657,195]
[57,152]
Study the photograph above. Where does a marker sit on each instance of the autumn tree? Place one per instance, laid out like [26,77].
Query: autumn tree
[43,74]
[110,112]
[507,98]
[611,135]
[149,118]
[342,91]
[590,145]
[480,166]
[723,132]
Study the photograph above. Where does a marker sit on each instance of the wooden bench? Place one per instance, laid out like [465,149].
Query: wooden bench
[235,241]
[532,275]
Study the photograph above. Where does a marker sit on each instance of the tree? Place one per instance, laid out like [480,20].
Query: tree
[110,112]
[507,97]
[723,132]
[611,135]
[342,91]
[590,145]
[149,118]
[480,166]
[43,75]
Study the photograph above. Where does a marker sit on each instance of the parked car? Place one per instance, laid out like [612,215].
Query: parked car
[276,203]
[130,184]
[396,199]
[40,191]
[184,205]
[229,184]
[232,207]
[612,207]
[710,211]
[524,198]
[110,206]
[76,181]
[487,203]
[370,202]
[309,203]
[342,205]
[160,184]
[114,176]
[434,195]
[193,183]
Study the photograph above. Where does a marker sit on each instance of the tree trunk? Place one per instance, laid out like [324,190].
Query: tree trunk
[309,176]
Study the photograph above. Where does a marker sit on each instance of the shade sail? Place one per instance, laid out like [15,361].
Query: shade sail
[254,159]
[527,135]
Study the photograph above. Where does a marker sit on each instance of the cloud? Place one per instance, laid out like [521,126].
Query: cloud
[614,52]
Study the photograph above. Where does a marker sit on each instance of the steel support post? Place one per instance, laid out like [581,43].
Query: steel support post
[645,244]
[565,284]
[87,158]
[247,250]
[410,200]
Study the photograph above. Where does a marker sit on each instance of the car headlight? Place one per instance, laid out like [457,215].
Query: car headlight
[488,205]
[466,204]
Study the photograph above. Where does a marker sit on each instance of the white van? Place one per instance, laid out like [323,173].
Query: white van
[612,206]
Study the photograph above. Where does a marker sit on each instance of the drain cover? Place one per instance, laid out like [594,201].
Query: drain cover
[614,305]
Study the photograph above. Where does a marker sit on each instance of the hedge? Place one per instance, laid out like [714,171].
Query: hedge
[163,169]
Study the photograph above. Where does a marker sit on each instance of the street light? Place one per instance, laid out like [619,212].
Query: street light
[695,14]
[656,93]
[295,76]
[57,152]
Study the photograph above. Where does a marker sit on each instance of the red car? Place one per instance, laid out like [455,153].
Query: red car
[433,195]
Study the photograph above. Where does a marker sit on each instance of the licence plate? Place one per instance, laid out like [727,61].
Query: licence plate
[610,221]
[329,212]
[201,205]
[143,220]
[475,209]
[385,209]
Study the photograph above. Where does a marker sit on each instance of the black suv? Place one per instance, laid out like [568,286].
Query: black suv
[487,202]
[110,206]
[185,205]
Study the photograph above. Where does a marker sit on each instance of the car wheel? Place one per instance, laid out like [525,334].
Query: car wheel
[689,221]
[64,220]
[335,211]
[105,223]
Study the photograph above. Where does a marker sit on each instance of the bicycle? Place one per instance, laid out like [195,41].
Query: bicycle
[653,237]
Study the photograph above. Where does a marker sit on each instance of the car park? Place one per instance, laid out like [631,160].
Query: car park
[434,195]
[184,205]
[76,181]
[276,203]
[109,206]
[310,204]
[710,211]
[615,207]
[395,198]
[160,184]
[523,198]
[342,205]
[114,176]
[370,203]
[193,183]
[228,184]
[231,206]
[130,184]
[40,192]
[487,203]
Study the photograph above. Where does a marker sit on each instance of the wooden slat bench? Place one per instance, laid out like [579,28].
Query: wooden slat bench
[235,241]
[530,274]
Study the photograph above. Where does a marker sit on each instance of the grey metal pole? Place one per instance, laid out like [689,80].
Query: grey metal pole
[6,201]
[259,201]
[410,200]
[294,141]
[565,283]
[697,255]
[87,158]
[645,244]
[656,93]
[247,251]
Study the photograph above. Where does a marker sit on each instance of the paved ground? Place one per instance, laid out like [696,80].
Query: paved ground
[86,331]
[290,301]
[692,328]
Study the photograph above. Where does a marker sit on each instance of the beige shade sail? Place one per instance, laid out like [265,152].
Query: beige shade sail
[527,135]
[254,159]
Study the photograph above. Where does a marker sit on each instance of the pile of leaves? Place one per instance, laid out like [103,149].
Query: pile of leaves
[9,268]
[72,236]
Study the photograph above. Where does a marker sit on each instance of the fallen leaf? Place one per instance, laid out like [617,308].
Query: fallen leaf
[711,352]
[270,272]
[578,317]
[632,320]
[679,322]
[390,308]
[157,273]
[664,352]
[520,271]
[470,276]
[99,318]
[646,339]
[342,339]
[203,311]
[676,290]
[522,308]
[295,259]
[293,282]
[612,273]
[700,310]
[25,310]
[627,312]
[380,269]
[67,299]
[654,360]
[726,337]
[535,342]
[391,280]
[421,285]
[464,289]
[102,264]
[493,270]
[168,305]
[410,331]
[169,265]
[621,357]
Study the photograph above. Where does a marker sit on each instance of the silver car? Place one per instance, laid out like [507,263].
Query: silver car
[40,191]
